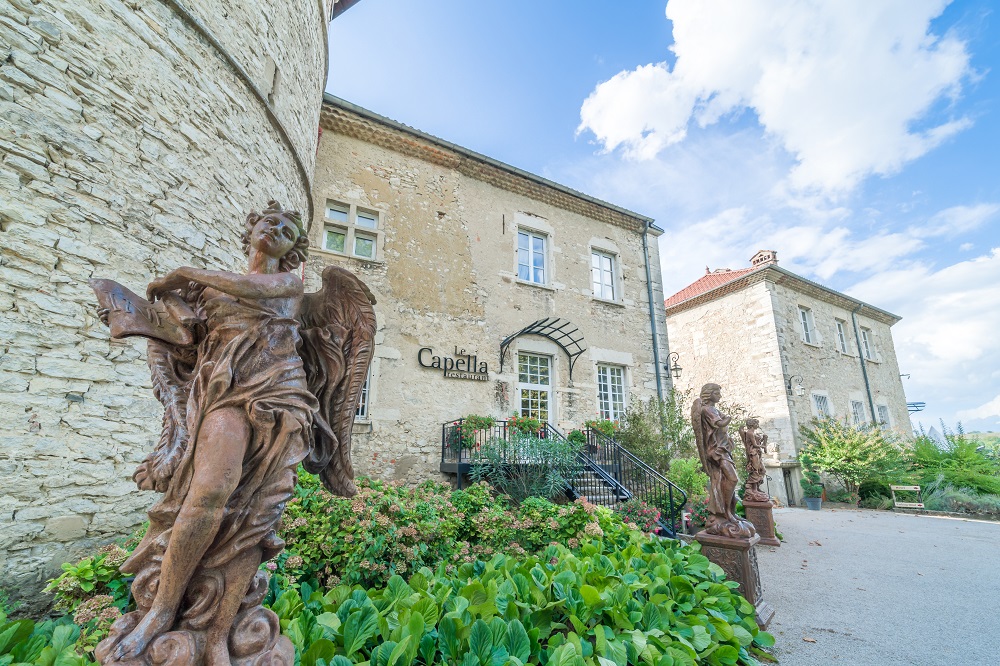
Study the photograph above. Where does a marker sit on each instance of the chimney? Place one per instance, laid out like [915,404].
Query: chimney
[764,258]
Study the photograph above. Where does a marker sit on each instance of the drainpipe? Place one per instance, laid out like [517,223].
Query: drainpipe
[861,357]
[652,313]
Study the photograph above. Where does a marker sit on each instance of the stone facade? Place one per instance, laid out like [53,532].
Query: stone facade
[747,335]
[445,273]
[134,138]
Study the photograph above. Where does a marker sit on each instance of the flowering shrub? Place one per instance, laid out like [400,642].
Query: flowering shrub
[699,512]
[524,424]
[472,424]
[391,529]
[638,513]
[603,426]
[93,576]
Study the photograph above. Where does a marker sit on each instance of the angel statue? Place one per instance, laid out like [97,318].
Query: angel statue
[255,377]
[755,443]
[716,452]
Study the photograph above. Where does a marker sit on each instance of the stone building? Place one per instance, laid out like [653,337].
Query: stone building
[789,350]
[134,138]
[463,253]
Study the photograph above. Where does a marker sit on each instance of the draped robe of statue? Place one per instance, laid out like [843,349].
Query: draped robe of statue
[715,451]
[297,379]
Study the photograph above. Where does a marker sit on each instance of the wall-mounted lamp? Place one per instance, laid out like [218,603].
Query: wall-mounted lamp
[797,381]
[672,366]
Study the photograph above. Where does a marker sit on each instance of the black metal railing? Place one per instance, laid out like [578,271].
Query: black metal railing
[606,472]
[641,481]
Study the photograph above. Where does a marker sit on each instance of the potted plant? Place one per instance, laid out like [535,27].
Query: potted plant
[812,489]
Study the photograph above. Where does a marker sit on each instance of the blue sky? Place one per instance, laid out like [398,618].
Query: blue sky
[857,138]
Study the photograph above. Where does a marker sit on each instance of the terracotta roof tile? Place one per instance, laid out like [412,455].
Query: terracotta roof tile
[707,283]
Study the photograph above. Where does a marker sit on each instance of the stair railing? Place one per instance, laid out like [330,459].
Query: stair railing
[642,481]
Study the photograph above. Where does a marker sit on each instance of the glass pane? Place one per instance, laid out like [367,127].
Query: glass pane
[523,267]
[538,260]
[334,240]
[538,244]
[336,213]
[522,241]
[367,220]
[595,260]
[539,276]
[364,247]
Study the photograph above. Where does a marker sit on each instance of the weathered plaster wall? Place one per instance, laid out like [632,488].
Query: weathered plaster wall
[446,277]
[128,146]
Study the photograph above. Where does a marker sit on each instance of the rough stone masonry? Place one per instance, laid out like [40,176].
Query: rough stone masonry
[133,135]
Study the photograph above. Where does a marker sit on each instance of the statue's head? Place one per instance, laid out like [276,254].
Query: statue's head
[278,233]
[711,392]
[753,423]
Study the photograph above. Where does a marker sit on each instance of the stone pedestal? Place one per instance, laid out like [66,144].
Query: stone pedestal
[738,559]
[759,513]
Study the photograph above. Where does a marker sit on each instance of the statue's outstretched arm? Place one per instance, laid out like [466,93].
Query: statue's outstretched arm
[264,285]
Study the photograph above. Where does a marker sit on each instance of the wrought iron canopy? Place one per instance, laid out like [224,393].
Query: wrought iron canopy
[560,331]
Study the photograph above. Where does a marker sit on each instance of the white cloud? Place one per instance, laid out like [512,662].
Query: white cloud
[959,219]
[984,411]
[846,87]
[947,338]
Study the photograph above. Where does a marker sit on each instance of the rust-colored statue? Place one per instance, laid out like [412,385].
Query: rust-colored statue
[255,377]
[755,443]
[716,452]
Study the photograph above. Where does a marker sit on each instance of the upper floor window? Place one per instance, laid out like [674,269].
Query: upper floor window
[868,344]
[858,412]
[883,414]
[611,391]
[822,405]
[808,326]
[531,257]
[841,335]
[602,274]
[351,230]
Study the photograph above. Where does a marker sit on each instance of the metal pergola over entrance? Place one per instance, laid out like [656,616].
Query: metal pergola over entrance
[560,331]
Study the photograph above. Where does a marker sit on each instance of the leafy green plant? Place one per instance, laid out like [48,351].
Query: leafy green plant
[525,466]
[577,437]
[557,608]
[811,485]
[852,455]
[942,496]
[606,427]
[93,576]
[963,462]
[689,476]
[48,643]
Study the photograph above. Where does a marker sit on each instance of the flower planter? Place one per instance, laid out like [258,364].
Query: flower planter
[814,503]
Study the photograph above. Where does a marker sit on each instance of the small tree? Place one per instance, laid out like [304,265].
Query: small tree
[852,455]
[658,430]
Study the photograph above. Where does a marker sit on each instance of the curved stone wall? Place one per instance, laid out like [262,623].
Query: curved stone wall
[134,138]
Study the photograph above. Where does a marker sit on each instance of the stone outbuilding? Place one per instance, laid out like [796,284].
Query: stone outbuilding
[789,350]
[499,292]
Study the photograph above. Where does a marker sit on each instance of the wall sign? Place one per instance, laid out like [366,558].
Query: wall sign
[459,366]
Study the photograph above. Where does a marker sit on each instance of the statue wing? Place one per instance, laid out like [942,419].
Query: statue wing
[170,368]
[338,341]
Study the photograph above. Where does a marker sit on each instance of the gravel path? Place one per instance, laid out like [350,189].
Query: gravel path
[876,588]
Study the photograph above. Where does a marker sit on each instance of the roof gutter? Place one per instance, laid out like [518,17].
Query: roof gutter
[652,311]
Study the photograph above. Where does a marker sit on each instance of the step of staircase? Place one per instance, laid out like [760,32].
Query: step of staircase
[597,491]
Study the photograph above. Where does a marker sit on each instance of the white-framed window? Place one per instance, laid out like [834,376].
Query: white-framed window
[883,414]
[808,325]
[611,391]
[351,230]
[602,275]
[531,257]
[821,403]
[858,412]
[868,343]
[534,386]
[842,335]
[362,411]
